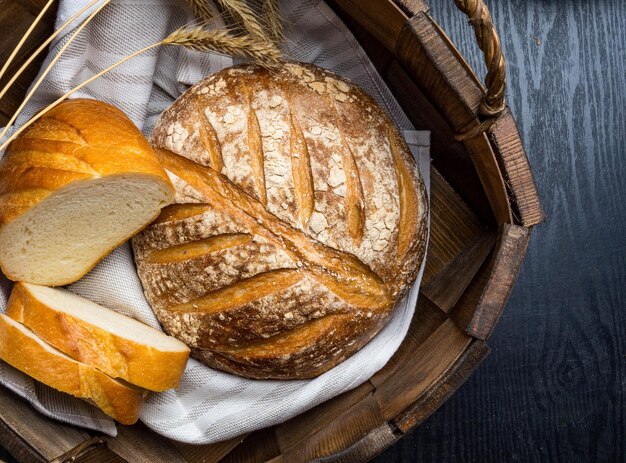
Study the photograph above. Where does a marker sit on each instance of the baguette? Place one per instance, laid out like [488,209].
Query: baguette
[75,185]
[118,345]
[23,350]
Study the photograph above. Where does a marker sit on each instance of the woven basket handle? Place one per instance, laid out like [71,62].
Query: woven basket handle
[489,42]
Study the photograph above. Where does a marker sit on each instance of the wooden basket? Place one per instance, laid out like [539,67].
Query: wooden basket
[484,203]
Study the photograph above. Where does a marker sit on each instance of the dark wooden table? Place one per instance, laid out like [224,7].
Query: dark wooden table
[553,388]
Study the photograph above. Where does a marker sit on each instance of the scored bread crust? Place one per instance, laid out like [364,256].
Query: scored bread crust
[75,142]
[21,349]
[141,364]
[300,223]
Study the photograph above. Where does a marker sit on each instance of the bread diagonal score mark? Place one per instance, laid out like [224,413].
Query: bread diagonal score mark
[175,212]
[350,278]
[210,142]
[42,177]
[354,189]
[193,249]
[301,171]
[241,292]
[27,156]
[255,144]
[293,340]
[41,131]
[409,204]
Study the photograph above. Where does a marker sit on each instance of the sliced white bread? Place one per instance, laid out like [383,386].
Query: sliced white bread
[114,343]
[75,185]
[22,349]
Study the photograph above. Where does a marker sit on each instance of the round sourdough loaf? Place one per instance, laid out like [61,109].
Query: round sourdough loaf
[300,221]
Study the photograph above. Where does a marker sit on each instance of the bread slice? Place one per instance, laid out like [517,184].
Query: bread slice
[118,345]
[23,350]
[75,185]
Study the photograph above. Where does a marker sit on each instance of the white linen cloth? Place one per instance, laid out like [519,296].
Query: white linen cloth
[209,405]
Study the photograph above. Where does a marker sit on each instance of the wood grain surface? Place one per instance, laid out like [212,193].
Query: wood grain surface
[553,387]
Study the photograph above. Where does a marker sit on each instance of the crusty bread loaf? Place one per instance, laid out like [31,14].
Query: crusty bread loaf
[76,184]
[301,221]
[118,345]
[23,350]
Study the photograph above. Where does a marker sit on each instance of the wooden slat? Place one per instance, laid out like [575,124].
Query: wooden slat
[427,364]
[92,450]
[428,59]
[297,430]
[427,319]
[20,15]
[446,287]
[490,176]
[138,444]
[376,51]
[453,226]
[101,454]
[17,446]
[514,164]
[418,412]
[34,6]
[418,108]
[208,453]
[340,433]
[13,99]
[458,55]
[372,444]
[480,307]
[383,19]
[449,157]
[12,13]
[412,7]
[47,437]
[258,447]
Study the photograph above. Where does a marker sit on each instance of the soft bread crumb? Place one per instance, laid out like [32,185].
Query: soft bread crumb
[60,239]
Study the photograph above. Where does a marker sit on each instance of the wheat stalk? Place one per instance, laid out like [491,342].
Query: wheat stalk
[49,68]
[242,13]
[274,21]
[201,10]
[193,38]
[24,37]
[44,45]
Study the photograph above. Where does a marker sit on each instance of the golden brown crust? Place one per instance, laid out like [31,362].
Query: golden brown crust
[143,365]
[77,140]
[321,180]
[27,354]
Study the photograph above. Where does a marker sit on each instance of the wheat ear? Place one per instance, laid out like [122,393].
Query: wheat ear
[201,10]
[44,45]
[194,38]
[24,37]
[49,67]
[222,41]
[243,14]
